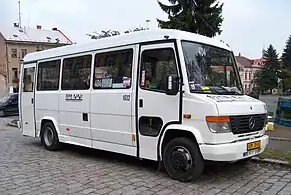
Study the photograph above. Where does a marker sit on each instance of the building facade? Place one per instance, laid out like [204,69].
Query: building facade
[16,42]
[247,70]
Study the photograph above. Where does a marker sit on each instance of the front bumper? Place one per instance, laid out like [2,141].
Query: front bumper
[232,151]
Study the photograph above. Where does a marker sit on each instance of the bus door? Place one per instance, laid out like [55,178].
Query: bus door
[155,108]
[27,114]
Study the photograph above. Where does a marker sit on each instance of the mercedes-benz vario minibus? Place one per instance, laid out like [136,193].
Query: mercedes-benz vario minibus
[165,95]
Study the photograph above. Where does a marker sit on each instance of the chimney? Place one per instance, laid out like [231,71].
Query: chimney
[239,54]
[15,25]
[54,28]
[38,27]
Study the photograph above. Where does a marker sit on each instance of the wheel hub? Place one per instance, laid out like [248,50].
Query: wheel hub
[48,138]
[181,159]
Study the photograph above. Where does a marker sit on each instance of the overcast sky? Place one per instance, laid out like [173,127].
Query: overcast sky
[248,24]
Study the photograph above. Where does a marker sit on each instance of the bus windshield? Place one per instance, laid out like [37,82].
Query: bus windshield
[211,70]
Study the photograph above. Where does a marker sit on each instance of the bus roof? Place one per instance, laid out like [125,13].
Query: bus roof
[121,40]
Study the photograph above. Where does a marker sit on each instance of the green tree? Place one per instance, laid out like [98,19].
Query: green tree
[201,17]
[286,65]
[286,56]
[267,78]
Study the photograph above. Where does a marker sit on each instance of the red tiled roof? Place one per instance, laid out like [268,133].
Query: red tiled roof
[250,63]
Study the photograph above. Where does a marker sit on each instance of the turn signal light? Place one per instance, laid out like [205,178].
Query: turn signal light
[187,116]
[217,119]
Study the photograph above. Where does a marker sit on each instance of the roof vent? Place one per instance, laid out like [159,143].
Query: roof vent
[14,35]
[38,27]
[54,28]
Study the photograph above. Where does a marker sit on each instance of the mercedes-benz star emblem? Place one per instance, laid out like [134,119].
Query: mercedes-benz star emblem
[252,122]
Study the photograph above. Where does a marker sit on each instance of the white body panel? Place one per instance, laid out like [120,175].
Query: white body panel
[108,119]
[46,105]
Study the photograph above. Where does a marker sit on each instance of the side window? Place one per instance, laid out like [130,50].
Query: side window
[156,65]
[76,73]
[112,70]
[28,79]
[48,75]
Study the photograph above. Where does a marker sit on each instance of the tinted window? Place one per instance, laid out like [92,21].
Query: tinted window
[48,75]
[156,65]
[76,73]
[28,79]
[112,70]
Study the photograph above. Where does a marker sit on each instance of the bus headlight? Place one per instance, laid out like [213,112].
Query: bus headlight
[219,127]
[218,124]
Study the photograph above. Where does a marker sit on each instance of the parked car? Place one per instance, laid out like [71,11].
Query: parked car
[9,105]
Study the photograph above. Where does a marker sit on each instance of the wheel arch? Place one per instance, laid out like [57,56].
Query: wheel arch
[51,120]
[173,131]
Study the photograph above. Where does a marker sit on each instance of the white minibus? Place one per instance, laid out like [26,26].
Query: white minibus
[165,95]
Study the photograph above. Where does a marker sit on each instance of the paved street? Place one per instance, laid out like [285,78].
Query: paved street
[26,168]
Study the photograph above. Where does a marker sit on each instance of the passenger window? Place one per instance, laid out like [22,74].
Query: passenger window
[156,65]
[112,70]
[28,79]
[76,73]
[48,75]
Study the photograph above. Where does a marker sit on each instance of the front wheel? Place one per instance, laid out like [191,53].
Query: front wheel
[183,160]
[49,137]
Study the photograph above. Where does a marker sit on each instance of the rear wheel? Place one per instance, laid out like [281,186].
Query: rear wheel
[183,160]
[49,137]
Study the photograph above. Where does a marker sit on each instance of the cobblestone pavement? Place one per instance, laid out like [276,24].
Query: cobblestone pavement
[27,168]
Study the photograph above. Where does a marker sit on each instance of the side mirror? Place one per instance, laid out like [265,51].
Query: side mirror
[172,86]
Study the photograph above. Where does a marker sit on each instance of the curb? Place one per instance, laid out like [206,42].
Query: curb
[280,138]
[271,161]
[12,124]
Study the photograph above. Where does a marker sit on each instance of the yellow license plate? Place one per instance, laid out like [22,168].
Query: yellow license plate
[254,145]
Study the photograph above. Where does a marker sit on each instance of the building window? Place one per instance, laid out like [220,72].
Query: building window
[246,76]
[39,47]
[48,75]
[14,53]
[250,76]
[156,65]
[76,73]
[112,70]
[15,75]
[23,52]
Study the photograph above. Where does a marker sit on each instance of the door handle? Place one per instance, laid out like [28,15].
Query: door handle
[32,100]
[140,103]
[85,117]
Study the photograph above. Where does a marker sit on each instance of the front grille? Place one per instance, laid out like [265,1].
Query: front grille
[241,124]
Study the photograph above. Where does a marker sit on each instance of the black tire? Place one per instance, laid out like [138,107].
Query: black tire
[186,148]
[2,113]
[49,137]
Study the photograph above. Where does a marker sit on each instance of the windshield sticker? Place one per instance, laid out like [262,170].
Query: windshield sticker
[153,86]
[98,83]
[107,83]
[126,82]
[142,78]
[204,88]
